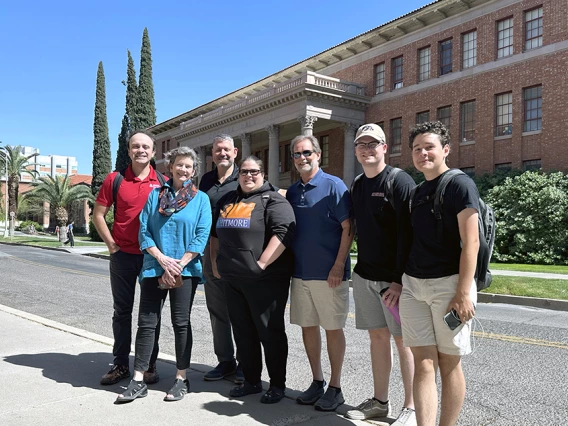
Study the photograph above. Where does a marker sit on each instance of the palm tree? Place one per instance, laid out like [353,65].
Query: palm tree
[58,192]
[17,165]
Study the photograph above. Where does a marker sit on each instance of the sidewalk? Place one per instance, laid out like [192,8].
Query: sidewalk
[51,375]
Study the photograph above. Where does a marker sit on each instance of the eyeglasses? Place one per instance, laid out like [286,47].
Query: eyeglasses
[371,145]
[307,153]
[253,173]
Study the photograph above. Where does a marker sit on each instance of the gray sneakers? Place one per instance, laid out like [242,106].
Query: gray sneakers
[407,417]
[330,400]
[311,395]
[370,409]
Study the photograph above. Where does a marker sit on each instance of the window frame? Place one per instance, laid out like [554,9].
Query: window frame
[532,165]
[395,136]
[471,47]
[448,117]
[324,145]
[530,41]
[501,37]
[467,124]
[445,66]
[424,75]
[419,116]
[397,77]
[505,128]
[379,81]
[528,121]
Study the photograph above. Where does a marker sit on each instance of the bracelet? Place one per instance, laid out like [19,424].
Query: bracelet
[181,265]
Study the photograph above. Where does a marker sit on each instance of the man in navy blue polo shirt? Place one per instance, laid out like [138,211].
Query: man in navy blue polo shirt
[320,287]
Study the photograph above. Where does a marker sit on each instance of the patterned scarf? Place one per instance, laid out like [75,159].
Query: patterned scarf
[171,203]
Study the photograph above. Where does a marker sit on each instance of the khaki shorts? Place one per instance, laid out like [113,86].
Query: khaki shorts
[313,303]
[423,304]
[370,313]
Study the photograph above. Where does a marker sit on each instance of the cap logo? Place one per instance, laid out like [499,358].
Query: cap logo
[366,128]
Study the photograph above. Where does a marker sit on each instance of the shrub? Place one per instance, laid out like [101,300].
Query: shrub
[532,218]
[490,180]
[25,226]
[93,234]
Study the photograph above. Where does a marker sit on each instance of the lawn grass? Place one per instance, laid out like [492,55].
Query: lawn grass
[530,287]
[45,242]
[551,269]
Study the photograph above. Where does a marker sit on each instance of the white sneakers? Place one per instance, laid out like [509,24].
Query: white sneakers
[371,408]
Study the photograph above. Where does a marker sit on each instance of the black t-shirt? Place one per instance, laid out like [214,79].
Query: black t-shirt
[214,189]
[244,223]
[433,255]
[384,234]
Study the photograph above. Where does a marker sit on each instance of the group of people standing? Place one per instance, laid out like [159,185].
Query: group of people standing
[254,248]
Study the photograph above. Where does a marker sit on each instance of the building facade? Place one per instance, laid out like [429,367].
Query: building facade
[493,70]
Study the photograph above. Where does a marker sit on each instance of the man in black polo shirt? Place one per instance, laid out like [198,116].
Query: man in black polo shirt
[216,183]
[384,238]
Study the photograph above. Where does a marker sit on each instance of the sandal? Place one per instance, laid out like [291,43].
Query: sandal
[178,390]
[272,395]
[245,389]
[134,390]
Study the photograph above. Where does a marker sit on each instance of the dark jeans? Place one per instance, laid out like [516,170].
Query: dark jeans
[257,314]
[217,306]
[124,271]
[151,302]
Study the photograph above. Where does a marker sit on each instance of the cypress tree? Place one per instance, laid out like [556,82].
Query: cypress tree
[101,145]
[129,119]
[145,104]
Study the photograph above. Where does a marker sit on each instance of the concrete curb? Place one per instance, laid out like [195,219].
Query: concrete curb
[553,304]
[40,247]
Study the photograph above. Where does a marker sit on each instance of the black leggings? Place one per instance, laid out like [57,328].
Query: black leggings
[256,309]
[151,303]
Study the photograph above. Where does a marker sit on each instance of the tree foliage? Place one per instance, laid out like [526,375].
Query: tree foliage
[101,145]
[532,218]
[129,121]
[60,195]
[145,104]
[18,164]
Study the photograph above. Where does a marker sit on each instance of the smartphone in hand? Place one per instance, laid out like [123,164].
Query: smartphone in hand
[452,319]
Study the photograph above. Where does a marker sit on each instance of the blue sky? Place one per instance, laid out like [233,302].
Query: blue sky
[200,51]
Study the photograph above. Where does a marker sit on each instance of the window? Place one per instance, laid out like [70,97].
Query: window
[287,158]
[324,151]
[445,115]
[469,49]
[397,73]
[424,64]
[505,38]
[422,117]
[531,165]
[503,167]
[396,135]
[533,109]
[467,115]
[163,147]
[470,171]
[504,114]
[265,161]
[445,57]
[533,28]
[177,144]
[379,78]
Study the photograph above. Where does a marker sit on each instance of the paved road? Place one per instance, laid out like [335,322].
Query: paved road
[516,376]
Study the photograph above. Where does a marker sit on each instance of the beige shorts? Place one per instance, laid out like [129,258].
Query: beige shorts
[313,303]
[423,304]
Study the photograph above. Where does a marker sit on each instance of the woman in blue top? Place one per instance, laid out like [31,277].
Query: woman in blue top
[174,228]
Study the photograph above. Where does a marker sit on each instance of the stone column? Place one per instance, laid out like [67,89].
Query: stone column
[202,152]
[349,130]
[245,144]
[273,153]
[307,122]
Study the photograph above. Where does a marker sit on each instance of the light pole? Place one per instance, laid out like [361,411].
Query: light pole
[5,193]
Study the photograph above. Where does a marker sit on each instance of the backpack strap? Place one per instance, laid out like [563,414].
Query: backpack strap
[120,177]
[354,183]
[439,197]
[390,184]
[412,197]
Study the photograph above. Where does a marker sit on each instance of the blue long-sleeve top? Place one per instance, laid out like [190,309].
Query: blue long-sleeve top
[184,231]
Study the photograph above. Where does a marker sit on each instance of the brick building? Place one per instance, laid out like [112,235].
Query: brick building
[495,71]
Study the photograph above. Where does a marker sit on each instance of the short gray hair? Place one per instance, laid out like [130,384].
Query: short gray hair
[312,139]
[183,151]
[223,137]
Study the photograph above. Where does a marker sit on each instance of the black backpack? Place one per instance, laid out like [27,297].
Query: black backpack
[120,177]
[486,224]
[389,183]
